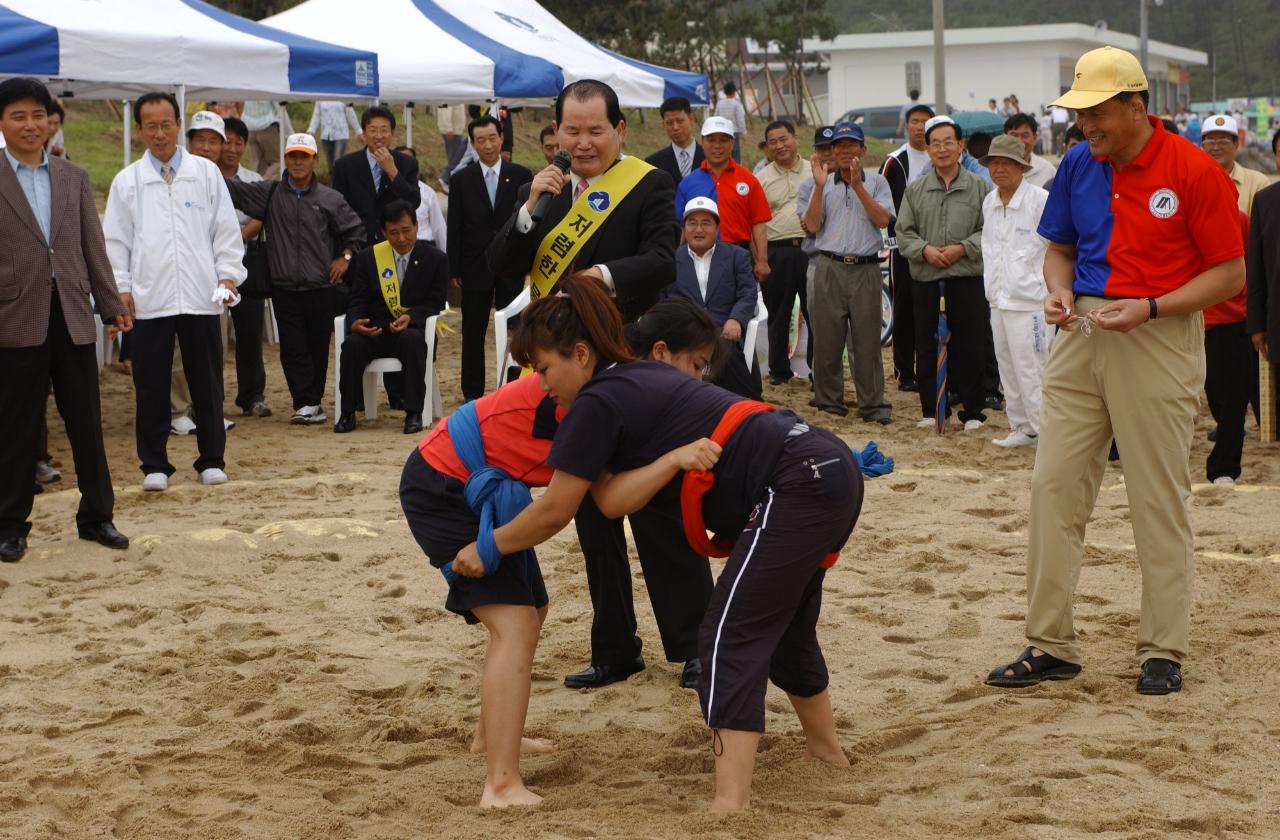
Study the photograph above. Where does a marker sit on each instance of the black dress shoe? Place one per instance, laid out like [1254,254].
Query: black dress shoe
[908,385]
[774,379]
[837,410]
[104,533]
[12,549]
[691,674]
[1213,435]
[346,423]
[601,675]
[412,422]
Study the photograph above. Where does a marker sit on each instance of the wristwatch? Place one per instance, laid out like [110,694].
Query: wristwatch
[346,255]
[1151,302]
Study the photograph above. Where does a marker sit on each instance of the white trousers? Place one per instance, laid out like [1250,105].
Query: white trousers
[1022,347]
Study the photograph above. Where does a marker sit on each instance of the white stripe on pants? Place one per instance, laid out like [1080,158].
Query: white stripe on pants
[1022,343]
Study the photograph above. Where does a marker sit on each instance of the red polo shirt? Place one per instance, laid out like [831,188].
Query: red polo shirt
[1231,310]
[737,194]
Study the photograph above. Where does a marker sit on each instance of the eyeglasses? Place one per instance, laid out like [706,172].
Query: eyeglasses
[1214,141]
[943,145]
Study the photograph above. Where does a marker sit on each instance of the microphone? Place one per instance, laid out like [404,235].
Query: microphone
[561,161]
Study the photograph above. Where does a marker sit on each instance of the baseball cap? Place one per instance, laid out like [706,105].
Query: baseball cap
[822,136]
[717,125]
[702,203]
[1100,75]
[1222,123]
[300,143]
[847,131]
[207,121]
[941,119]
[1007,146]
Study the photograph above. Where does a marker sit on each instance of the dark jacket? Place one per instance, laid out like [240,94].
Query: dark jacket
[422,290]
[896,169]
[665,159]
[354,179]
[472,221]
[637,242]
[1263,267]
[305,232]
[731,284]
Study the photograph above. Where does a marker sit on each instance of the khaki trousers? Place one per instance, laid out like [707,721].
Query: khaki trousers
[846,303]
[1143,387]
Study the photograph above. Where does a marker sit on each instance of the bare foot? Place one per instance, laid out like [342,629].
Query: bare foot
[728,805]
[533,746]
[829,754]
[514,795]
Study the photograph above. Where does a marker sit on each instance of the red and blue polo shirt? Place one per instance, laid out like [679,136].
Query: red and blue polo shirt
[737,194]
[1148,228]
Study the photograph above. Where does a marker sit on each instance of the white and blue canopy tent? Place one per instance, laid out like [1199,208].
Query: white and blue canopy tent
[118,49]
[454,51]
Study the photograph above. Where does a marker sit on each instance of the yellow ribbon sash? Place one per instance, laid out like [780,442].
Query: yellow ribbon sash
[560,247]
[385,258]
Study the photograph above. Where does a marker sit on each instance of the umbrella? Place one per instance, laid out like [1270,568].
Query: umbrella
[943,335]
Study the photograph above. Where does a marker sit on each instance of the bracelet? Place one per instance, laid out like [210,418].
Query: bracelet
[1154,311]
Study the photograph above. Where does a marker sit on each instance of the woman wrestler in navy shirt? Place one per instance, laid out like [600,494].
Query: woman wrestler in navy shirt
[787,494]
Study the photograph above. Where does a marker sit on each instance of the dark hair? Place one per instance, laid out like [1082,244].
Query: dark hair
[675,103]
[155,96]
[1170,126]
[55,107]
[546,131]
[679,322]
[236,126]
[979,144]
[914,94]
[24,87]
[1145,95]
[791,129]
[584,90]
[375,111]
[481,122]
[1073,133]
[1275,142]
[396,210]
[730,88]
[959,131]
[916,109]
[408,150]
[580,309]
[1021,119]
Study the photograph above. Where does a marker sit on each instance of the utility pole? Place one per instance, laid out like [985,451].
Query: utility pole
[1142,35]
[939,61]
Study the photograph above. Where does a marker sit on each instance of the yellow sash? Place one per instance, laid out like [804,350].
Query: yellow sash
[385,258]
[561,246]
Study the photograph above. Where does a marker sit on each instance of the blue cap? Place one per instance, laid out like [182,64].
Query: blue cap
[847,131]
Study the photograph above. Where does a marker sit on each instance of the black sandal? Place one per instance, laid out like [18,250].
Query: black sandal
[1029,669]
[1160,676]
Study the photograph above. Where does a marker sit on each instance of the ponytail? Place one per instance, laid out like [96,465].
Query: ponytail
[681,324]
[580,310]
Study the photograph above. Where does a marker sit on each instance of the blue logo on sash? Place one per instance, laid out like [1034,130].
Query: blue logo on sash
[387,273]
[598,201]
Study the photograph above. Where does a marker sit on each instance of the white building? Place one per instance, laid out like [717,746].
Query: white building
[1035,63]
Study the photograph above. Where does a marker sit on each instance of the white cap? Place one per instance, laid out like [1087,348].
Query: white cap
[717,125]
[941,119]
[1220,122]
[300,143]
[207,121]
[703,204]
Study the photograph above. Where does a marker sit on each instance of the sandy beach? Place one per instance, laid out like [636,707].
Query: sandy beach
[271,659]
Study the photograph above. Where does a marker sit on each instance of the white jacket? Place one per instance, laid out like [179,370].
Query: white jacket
[170,244]
[1012,251]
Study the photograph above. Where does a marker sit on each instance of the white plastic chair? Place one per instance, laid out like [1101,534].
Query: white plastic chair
[501,353]
[103,343]
[753,330]
[433,405]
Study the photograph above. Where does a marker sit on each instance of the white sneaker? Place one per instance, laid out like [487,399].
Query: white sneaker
[155,481]
[228,425]
[308,415]
[1225,481]
[213,475]
[973,425]
[182,425]
[1016,439]
[926,423]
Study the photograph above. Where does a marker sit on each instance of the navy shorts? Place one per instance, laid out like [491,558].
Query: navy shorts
[761,624]
[443,524]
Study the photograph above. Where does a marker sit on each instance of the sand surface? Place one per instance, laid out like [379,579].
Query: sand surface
[271,659]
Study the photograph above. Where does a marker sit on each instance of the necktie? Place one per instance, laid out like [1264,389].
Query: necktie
[580,189]
[402,261]
[377,178]
[491,184]
[166,172]
[684,162]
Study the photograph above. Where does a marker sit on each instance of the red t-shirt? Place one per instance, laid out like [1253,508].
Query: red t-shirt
[1231,310]
[517,423]
[738,196]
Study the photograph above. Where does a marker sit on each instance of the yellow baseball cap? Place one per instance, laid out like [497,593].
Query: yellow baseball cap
[1100,75]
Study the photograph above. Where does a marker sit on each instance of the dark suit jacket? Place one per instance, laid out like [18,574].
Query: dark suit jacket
[76,254]
[637,242]
[665,159]
[353,178]
[1263,269]
[731,285]
[422,291]
[472,221]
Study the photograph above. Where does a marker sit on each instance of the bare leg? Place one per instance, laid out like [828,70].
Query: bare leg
[821,741]
[735,764]
[504,700]
[537,746]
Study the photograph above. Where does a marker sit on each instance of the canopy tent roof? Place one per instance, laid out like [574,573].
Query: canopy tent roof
[472,50]
[121,48]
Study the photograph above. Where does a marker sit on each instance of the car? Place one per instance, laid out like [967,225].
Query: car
[880,122]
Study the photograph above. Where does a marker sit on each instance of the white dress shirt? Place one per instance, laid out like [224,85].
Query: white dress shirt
[702,268]
[431,227]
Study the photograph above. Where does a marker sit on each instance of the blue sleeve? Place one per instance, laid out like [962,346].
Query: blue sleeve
[1056,224]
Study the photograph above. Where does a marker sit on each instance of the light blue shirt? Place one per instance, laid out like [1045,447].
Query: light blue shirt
[36,186]
[374,170]
[175,162]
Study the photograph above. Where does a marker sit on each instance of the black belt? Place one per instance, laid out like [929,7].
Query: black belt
[849,259]
[786,243]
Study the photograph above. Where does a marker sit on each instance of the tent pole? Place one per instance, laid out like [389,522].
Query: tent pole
[408,124]
[283,116]
[128,131]
[182,112]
